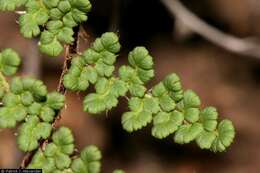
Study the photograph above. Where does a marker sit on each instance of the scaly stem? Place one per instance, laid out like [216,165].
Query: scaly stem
[69,51]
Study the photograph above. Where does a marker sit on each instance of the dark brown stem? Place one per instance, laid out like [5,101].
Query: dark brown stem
[70,50]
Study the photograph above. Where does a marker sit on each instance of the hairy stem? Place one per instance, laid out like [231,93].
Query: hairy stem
[69,51]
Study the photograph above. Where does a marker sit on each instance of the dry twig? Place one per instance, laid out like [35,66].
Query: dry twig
[194,23]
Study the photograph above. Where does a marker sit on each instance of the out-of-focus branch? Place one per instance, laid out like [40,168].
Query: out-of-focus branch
[32,63]
[194,23]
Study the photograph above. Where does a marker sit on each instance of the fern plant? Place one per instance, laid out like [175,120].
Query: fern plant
[169,108]
[59,157]
[26,103]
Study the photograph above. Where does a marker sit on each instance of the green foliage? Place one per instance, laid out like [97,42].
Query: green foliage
[26,103]
[142,110]
[9,61]
[96,62]
[40,161]
[88,162]
[52,20]
[170,109]
[96,66]
[58,156]
[31,131]
[28,97]
[61,148]
[29,103]
[224,136]
[165,123]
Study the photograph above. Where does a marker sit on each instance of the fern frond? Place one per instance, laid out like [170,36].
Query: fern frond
[170,109]
[58,157]
[52,20]
[26,103]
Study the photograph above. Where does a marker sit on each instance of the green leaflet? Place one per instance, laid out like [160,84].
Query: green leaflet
[106,97]
[172,82]
[56,155]
[9,116]
[225,136]
[205,139]
[208,117]
[169,92]
[133,121]
[137,90]
[36,87]
[173,86]
[128,74]
[190,106]
[165,124]
[53,20]
[61,148]
[30,132]
[187,133]
[40,161]
[96,62]
[167,103]
[12,112]
[88,162]
[55,100]
[64,138]
[140,70]
[141,114]
[52,48]
[30,23]
[79,76]
[190,99]
[45,113]
[140,58]
[9,61]
[135,84]
[51,39]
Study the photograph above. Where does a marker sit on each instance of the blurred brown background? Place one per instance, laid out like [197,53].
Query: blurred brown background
[229,81]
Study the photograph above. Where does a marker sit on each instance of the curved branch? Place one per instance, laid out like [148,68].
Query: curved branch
[224,40]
